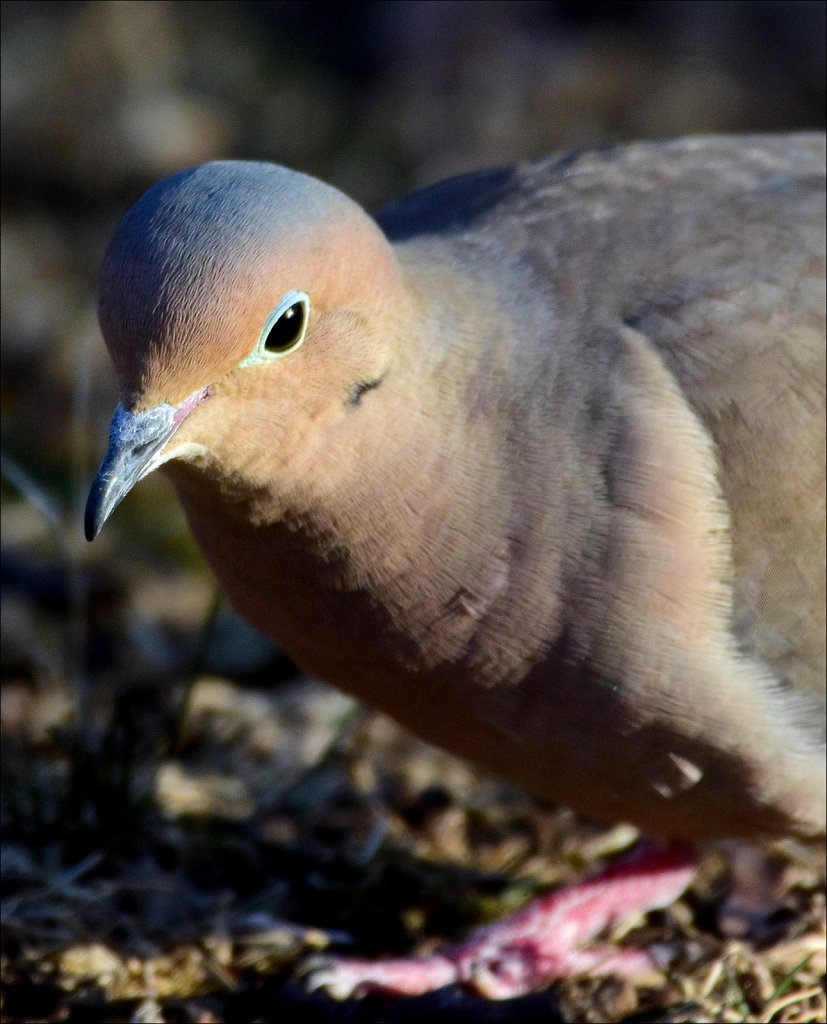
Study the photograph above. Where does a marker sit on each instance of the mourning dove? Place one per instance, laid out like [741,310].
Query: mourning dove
[532,462]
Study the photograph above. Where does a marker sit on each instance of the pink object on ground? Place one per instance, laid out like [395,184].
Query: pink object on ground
[538,945]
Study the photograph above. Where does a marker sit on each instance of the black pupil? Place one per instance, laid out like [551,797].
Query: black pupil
[286,329]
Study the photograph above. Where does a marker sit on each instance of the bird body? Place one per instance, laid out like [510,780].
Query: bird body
[544,478]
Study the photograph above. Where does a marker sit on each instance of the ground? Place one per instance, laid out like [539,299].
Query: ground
[180,848]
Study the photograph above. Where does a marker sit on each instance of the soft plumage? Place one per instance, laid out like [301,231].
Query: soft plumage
[544,479]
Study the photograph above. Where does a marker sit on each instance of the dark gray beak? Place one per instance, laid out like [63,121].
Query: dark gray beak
[136,443]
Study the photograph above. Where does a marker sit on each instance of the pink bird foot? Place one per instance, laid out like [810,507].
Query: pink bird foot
[540,944]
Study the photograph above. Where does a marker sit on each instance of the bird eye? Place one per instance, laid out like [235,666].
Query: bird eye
[283,333]
[284,329]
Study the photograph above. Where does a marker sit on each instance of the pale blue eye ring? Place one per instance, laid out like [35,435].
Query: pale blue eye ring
[284,329]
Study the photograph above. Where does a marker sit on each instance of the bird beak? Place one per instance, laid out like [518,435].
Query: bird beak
[136,447]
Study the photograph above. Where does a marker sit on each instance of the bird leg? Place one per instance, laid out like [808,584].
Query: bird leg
[540,944]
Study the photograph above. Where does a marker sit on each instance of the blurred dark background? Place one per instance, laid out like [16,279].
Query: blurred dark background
[99,101]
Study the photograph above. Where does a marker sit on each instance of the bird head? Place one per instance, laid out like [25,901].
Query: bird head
[246,308]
